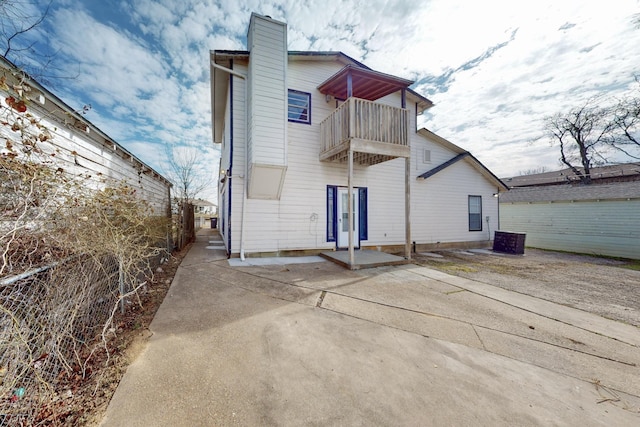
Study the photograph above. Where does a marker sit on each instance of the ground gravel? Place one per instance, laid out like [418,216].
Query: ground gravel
[604,286]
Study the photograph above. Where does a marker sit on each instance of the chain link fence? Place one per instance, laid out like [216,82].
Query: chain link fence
[80,224]
[52,320]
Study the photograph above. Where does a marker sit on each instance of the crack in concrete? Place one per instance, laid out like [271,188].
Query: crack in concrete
[484,347]
[321,298]
[323,294]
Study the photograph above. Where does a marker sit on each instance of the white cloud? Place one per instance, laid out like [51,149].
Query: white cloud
[494,68]
[137,95]
[496,108]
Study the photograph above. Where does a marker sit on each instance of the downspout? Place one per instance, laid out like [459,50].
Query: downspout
[229,222]
[246,157]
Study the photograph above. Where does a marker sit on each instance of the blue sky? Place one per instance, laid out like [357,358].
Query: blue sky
[494,69]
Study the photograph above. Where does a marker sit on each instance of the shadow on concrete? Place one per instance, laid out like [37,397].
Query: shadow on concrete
[314,344]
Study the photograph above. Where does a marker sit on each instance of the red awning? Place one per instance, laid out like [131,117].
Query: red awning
[366,84]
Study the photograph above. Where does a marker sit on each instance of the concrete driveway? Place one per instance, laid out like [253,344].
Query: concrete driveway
[315,344]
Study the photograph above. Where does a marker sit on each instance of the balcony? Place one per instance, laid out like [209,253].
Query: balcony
[374,132]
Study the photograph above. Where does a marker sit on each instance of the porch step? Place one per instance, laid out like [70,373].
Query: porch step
[364,259]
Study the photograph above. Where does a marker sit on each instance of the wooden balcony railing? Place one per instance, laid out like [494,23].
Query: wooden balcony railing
[379,128]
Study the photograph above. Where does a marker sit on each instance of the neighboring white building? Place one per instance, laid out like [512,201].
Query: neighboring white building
[299,129]
[556,212]
[75,145]
[204,207]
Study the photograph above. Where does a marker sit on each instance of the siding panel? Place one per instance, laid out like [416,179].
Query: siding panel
[601,228]
[439,204]
[93,156]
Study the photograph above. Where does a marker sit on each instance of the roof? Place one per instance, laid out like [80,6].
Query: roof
[367,84]
[225,58]
[622,171]
[79,120]
[462,155]
[569,192]
[443,166]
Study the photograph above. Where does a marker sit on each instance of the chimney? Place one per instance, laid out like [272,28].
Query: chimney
[267,115]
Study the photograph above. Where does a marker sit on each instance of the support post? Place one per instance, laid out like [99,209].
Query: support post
[352,118]
[121,285]
[350,209]
[407,207]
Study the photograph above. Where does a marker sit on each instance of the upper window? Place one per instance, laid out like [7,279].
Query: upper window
[299,107]
[426,156]
[475,213]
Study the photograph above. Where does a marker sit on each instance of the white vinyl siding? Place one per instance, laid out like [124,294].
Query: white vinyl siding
[607,227]
[267,75]
[297,221]
[93,155]
[439,204]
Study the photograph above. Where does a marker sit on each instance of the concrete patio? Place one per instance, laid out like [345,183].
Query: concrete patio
[315,344]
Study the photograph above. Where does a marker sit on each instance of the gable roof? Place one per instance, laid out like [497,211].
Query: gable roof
[462,155]
[443,166]
[570,193]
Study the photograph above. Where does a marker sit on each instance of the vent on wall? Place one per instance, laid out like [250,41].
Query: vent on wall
[426,156]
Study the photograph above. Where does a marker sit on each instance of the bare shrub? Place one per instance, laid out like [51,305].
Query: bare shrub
[74,247]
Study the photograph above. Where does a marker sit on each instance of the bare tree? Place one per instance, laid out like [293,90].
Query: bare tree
[625,135]
[582,135]
[190,176]
[17,18]
[188,173]
[21,40]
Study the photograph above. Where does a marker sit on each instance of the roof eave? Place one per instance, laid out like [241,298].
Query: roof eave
[367,84]
[64,107]
[219,86]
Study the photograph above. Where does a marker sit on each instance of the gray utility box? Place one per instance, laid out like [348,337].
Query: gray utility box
[509,242]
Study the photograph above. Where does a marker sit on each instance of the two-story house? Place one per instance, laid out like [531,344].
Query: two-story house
[321,153]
